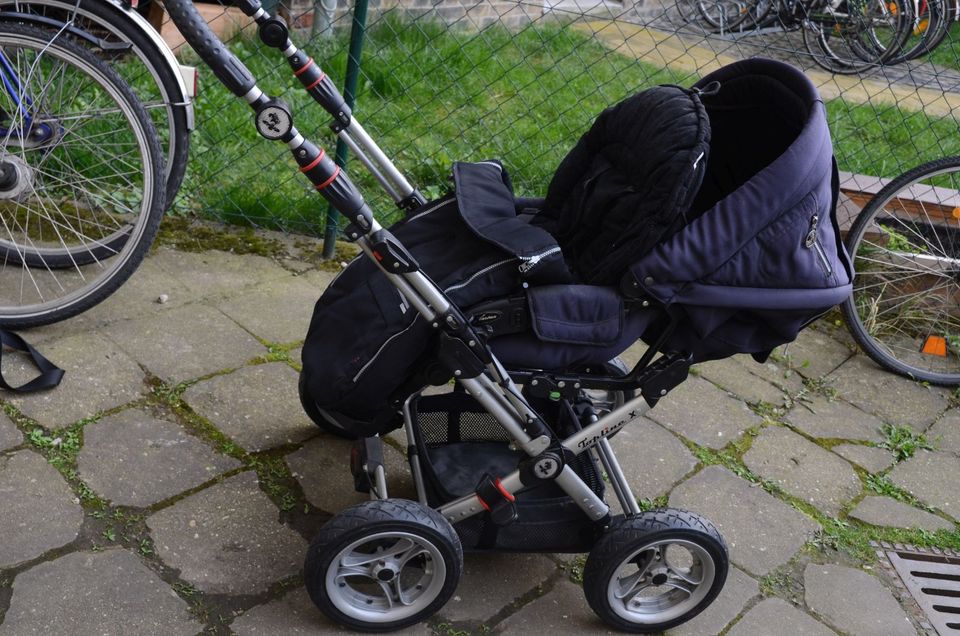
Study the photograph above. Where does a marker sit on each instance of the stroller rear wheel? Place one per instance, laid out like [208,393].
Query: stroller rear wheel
[655,570]
[383,565]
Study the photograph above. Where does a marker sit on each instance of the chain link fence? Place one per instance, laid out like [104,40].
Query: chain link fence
[520,81]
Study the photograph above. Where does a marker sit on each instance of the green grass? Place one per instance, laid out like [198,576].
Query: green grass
[431,95]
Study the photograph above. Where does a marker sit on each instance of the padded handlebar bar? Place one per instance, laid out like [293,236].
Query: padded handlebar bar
[228,69]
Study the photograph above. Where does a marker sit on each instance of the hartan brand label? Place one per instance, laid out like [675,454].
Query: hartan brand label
[607,431]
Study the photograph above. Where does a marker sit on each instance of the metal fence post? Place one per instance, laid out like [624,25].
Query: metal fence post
[357,34]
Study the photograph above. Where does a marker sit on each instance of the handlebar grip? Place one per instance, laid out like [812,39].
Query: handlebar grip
[228,69]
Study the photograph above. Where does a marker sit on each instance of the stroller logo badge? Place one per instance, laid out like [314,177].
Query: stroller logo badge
[607,431]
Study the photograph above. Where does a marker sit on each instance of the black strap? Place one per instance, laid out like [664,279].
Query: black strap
[50,374]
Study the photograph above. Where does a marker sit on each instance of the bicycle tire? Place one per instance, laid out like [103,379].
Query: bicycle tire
[925,29]
[950,11]
[905,244]
[855,41]
[66,188]
[724,15]
[163,92]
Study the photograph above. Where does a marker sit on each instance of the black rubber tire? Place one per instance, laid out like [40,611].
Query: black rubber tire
[625,536]
[100,289]
[858,330]
[370,518]
[104,13]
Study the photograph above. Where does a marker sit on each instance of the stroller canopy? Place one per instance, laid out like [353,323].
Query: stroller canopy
[760,253]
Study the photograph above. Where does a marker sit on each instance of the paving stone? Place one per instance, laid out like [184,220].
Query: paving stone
[38,511]
[9,435]
[490,582]
[815,354]
[215,274]
[277,311]
[257,406]
[945,433]
[652,458]
[874,460]
[562,610]
[98,376]
[322,467]
[738,589]
[139,295]
[703,413]
[737,375]
[136,459]
[296,615]
[883,511]
[186,343]
[932,478]
[227,538]
[107,592]
[803,469]
[761,531]
[834,419]
[776,616]
[854,601]
[890,397]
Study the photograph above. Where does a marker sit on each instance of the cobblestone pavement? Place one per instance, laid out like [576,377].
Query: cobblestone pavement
[172,483]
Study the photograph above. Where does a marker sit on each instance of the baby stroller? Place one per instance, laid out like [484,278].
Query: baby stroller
[662,224]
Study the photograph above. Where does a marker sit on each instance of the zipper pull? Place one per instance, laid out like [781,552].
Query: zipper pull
[812,234]
[527,265]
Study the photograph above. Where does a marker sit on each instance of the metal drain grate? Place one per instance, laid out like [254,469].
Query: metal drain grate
[933,579]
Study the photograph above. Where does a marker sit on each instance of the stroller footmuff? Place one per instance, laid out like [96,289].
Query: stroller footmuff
[664,224]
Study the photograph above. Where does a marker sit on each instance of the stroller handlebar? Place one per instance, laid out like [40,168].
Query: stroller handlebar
[228,69]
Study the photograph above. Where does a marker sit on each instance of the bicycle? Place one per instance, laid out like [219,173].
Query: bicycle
[116,31]
[905,308]
[842,36]
[81,178]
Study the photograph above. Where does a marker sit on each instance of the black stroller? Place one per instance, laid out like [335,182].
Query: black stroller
[701,221]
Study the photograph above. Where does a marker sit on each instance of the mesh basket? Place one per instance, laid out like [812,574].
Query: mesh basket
[459,442]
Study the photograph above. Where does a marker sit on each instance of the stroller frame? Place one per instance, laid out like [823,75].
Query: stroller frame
[462,349]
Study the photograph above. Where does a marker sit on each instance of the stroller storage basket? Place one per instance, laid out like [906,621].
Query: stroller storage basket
[458,441]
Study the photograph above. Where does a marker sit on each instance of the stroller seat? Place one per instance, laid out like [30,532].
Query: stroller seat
[701,219]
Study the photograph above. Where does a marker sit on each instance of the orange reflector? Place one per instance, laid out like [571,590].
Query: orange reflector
[956,213]
[935,346]
[893,8]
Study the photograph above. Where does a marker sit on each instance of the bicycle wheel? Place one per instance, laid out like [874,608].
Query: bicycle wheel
[726,15]
[905,308]
[143,66]
[79,169]
[929,25]
[851,36]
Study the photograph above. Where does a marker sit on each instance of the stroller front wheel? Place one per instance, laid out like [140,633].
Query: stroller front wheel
[655,570]
[383,565]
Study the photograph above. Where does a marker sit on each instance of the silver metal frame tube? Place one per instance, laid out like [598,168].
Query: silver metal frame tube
[404,189]
[414,459]
[370,166]
[617,479]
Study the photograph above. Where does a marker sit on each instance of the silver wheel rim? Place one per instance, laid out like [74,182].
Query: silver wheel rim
[386,577]
[661,581]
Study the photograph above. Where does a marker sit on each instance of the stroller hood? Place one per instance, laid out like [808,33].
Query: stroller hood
[763,255]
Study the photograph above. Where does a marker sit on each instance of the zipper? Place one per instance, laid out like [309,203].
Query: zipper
[529,262]
[812,241]
[476,275]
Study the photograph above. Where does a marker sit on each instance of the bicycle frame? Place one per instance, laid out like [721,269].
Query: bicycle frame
[460,348]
